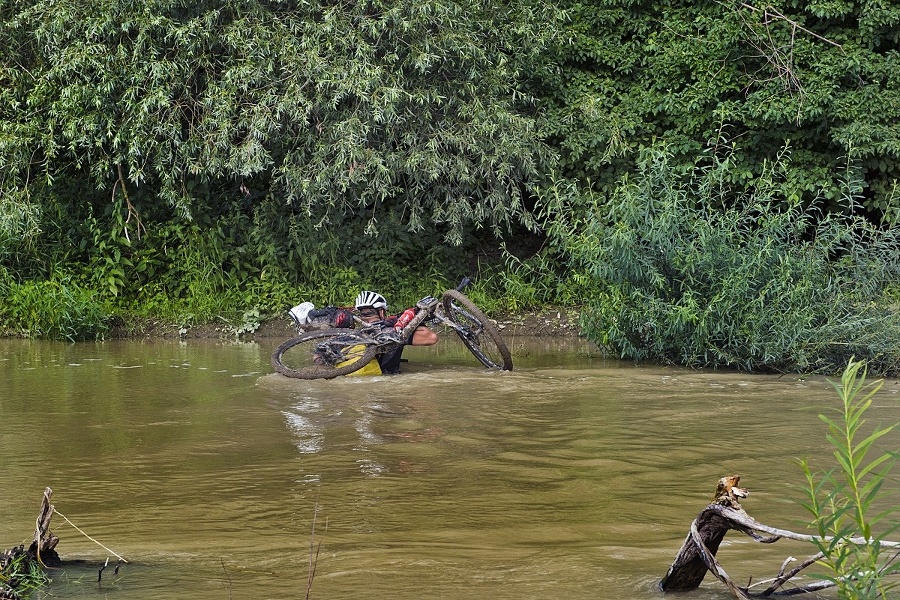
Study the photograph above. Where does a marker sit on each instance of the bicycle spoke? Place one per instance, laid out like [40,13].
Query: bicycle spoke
[477,332]
[323,354]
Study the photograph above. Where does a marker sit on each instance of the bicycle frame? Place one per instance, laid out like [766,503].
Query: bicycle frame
[388,340]
[345,350]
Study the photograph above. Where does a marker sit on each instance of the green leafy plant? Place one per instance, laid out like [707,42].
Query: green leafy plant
[20,573]
[249,322]
[844,502]
[691,271]
[57,309]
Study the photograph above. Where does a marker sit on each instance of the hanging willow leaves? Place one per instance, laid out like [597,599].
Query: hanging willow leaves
[332,106]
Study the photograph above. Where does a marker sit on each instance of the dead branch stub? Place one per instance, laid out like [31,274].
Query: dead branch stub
[690,565]
[44,545]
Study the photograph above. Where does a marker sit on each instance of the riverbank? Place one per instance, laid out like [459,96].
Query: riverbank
[548,322]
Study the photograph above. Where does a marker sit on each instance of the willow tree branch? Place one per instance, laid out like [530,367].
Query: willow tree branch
[132,211]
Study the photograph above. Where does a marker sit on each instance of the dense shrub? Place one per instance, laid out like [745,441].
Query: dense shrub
[822,75]
[56,309]
[685,276]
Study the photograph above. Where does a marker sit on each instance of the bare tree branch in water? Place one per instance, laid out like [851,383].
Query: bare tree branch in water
[698,553]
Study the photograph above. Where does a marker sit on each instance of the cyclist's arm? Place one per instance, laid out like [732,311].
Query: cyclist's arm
[423,336]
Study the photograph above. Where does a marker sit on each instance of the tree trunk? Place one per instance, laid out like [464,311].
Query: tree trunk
[689,567]
[698,553]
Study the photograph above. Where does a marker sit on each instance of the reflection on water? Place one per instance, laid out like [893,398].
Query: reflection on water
[572,476]
[301,422]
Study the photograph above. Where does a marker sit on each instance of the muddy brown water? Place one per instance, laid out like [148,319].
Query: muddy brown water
[574,476]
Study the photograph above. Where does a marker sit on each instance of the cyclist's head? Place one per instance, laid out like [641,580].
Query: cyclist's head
[370,304]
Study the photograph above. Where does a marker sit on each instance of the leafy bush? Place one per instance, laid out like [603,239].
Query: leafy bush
[689,275]
[55,309]
[334,108]
[628,73]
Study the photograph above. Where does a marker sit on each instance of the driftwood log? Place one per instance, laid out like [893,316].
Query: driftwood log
[707,532]
[698,553]
[43,547]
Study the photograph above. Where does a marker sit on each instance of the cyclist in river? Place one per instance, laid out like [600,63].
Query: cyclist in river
[372,308]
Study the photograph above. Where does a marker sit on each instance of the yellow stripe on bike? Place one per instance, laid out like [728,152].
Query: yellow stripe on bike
[372,368]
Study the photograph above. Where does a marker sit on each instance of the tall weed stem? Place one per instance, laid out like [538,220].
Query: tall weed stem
[842,501]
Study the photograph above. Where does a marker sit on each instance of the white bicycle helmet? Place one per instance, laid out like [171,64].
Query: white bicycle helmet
[371,299]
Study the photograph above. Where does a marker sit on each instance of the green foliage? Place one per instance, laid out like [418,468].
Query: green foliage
[332,108]
[541,280]
[55,309]
[215,157]
[20,574]
[842,501]
[627,74]
[108,257]
[686,277]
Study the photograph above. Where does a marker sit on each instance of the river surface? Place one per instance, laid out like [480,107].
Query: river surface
[574,476]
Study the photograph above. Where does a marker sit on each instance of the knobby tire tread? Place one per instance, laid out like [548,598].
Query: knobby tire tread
[488,327]
[322,371]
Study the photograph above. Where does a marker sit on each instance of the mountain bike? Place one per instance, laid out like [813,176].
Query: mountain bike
[329,353]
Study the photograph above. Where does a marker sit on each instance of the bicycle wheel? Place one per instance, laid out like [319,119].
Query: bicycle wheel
[478,332]
[323,354]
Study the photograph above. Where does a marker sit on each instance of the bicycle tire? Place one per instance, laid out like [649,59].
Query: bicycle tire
[479,334]
[345,344]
